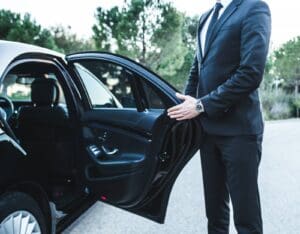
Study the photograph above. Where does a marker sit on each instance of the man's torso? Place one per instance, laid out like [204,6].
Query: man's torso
[220,60]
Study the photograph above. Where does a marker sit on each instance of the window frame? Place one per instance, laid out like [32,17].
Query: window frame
[98,81]
[141,88]
[63,78]
[133,83]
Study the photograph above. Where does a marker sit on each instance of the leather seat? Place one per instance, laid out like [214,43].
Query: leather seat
[44,110]
[43,126]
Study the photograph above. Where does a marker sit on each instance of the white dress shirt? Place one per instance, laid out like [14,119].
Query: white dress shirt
[225,4]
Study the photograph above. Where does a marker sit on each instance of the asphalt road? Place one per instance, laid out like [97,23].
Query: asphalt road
[279,186]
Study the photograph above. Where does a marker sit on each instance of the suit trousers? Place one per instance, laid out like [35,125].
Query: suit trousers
[230,170]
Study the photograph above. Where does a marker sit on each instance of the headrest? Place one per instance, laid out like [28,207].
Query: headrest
[44,92]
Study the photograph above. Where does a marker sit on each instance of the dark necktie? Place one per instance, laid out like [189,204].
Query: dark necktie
[212,23]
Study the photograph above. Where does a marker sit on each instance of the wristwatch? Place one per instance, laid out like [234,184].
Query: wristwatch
[199,106]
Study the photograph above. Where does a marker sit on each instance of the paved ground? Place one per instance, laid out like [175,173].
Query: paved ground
[280,194]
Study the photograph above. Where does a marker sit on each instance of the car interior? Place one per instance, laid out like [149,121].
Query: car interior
[37,112]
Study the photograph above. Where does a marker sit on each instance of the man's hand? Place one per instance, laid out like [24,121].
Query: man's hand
[185,110]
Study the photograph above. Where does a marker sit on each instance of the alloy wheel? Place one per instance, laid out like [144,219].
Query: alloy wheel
[20,222]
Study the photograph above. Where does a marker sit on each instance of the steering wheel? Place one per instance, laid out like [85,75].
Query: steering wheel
[6,126]
[7,105]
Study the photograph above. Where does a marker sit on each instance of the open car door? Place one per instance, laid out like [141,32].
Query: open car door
[132,151]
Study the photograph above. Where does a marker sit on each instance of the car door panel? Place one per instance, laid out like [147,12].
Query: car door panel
[130,119]
[149,149]
[130,133]
[181,144]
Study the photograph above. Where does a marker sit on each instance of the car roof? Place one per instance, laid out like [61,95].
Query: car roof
[10,50]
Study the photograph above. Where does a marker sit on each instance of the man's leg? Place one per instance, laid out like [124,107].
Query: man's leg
[215,189]
[242,157]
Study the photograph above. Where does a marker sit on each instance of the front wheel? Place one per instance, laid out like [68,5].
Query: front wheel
[20,214]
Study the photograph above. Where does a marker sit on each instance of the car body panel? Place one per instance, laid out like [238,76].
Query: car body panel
[10,50]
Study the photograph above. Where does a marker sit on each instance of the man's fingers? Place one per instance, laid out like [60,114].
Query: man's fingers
[185,117]
[181,96]
[174,108]
[176,116]
[181,115]
[178,112]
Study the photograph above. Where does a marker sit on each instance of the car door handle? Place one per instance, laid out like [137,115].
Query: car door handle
[109,152]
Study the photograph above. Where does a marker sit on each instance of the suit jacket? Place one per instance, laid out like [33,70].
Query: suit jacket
[227,76]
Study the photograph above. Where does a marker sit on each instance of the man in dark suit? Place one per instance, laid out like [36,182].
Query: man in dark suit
[222,91]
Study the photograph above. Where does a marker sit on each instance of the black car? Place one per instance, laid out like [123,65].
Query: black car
[82,128]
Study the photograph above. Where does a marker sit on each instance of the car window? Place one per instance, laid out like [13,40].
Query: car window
[154,101]
[16,91]
[99,95]
[107,84]
[17,86]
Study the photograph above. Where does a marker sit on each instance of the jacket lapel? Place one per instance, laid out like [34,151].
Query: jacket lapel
[233,6]
[202,21]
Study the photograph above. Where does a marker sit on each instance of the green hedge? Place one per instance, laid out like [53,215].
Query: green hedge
[278,104]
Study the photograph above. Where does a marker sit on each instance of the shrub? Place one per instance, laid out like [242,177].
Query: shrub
[277,104]
[296,106]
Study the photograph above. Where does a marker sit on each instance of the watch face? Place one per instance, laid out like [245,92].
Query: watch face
[199,106]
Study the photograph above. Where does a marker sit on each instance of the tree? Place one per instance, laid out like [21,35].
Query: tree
[129,28]
[189,31]
[282,78]
[149,31]
[68,42]
[169,51]
[8,20]
[15,27]
[269,75]
[286,63]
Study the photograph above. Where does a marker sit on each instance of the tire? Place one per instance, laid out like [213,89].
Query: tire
[23,211]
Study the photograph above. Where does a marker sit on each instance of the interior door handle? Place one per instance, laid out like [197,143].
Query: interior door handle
[109,152]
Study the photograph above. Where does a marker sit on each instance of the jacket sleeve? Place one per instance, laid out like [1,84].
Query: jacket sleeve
[192,82]
[255,36]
